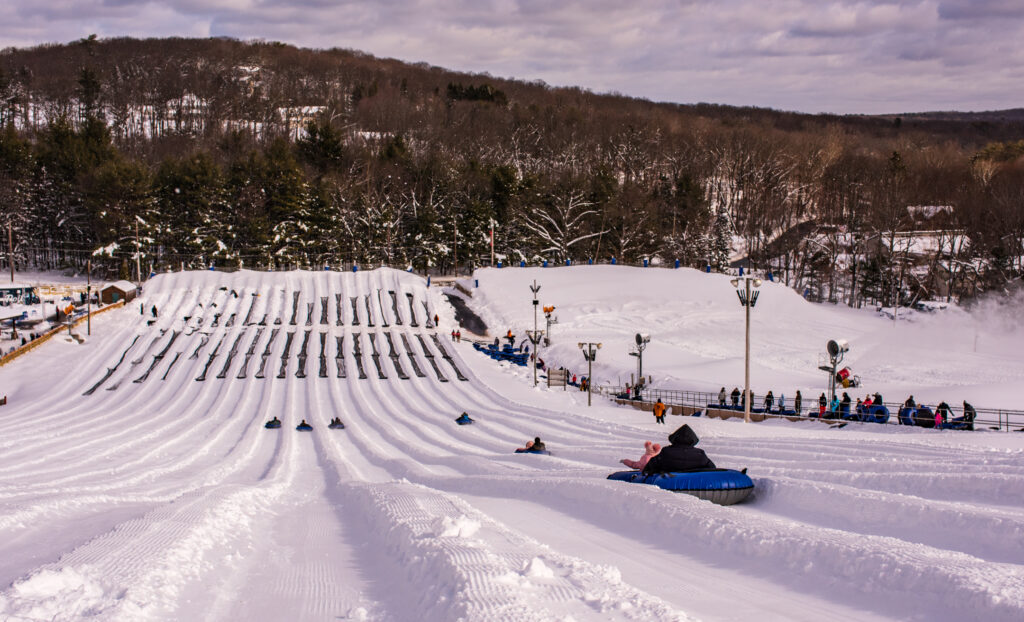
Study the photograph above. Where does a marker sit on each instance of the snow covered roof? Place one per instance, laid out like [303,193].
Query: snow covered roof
[124,286]
[928,211]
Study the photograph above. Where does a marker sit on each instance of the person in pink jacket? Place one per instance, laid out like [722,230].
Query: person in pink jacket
[650,450]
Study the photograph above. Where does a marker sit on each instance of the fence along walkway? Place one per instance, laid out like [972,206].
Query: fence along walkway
[689,402]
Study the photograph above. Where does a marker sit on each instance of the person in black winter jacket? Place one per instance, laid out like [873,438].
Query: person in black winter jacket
[681,455]
[969,414]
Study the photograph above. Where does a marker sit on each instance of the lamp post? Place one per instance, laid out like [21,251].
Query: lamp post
[535,288]
[748,298]
[535,336]
[589,353]
[641,344]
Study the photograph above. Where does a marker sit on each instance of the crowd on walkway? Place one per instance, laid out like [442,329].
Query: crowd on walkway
[839,407]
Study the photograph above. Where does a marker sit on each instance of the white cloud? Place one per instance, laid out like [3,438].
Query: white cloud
[811,55]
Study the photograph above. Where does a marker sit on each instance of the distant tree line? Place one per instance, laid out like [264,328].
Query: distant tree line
[234,154]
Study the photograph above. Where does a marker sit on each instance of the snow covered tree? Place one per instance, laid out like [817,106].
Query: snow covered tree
[558,222]
[721,242]
[192,197]
[16,164]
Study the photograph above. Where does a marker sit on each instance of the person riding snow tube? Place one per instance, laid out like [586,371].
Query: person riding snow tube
[273,424]
[464,419]
[536,446]
[304,427]
[681,467]
[336,424]
[721,486]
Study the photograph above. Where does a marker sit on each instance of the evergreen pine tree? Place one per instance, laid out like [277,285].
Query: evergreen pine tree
[721,242]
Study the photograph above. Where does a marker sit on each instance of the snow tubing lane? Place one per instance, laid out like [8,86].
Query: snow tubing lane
[533,451]
[721,486]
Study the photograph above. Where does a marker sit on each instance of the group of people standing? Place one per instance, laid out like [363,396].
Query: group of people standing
[837,407]
[769,403]
[943,413]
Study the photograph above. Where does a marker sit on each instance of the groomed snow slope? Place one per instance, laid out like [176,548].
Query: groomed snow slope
[166,499]
[697,335]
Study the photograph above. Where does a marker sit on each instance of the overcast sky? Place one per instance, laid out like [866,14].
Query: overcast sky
[872,56]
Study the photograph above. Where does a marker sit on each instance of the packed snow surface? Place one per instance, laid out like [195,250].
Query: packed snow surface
[130,490]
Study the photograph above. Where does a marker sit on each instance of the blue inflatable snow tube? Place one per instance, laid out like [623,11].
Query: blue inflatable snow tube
[304,427]
[464,421]
[335,426]
[721,486]
[272,425]
[533,451]
[876,413]
[921,416]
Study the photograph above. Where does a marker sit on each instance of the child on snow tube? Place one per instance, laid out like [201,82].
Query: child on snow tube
[650,450]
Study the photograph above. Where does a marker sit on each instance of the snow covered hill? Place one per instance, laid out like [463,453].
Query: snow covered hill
[161,497]
[697,335]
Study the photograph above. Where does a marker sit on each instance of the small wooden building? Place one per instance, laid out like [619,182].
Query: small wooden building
[117,291]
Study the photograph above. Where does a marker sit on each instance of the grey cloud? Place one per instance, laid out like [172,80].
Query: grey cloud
[980,9]
[812,55]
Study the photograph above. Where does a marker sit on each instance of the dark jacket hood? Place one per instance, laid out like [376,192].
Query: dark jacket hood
[684,436]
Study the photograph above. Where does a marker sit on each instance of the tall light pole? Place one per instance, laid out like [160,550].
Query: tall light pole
[641,344]
[836,349]
[589,353]
[748,298]
[535,337]
[535,288]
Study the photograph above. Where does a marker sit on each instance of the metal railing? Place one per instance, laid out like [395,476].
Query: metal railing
[1002,419]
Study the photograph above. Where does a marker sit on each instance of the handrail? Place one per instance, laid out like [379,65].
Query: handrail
[1002,419]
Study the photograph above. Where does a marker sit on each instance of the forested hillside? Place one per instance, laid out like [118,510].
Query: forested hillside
[228,153]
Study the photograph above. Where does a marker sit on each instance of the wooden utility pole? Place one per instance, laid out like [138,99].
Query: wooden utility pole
[88,297]
[455,248]
[138,266]
[10,248]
